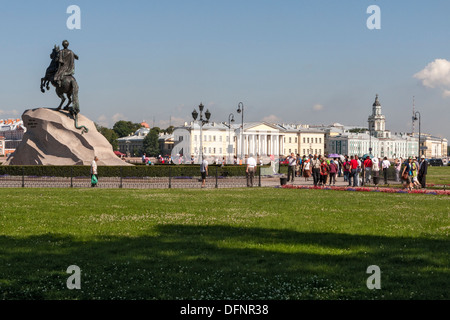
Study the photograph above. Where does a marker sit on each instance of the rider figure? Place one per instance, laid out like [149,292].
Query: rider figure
[66,63]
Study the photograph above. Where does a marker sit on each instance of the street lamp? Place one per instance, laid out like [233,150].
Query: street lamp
[202,122]
[230,120]
[239,110]
[414,119]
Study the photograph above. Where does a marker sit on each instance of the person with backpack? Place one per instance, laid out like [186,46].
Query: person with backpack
[333,170]
[346,169]
[324,170]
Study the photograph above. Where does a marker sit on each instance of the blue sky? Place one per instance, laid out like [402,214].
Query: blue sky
[291,61]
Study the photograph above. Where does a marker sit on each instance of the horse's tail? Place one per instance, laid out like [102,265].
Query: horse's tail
[75,102]
[76,105]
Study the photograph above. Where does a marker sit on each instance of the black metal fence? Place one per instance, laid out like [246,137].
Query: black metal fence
[215,179]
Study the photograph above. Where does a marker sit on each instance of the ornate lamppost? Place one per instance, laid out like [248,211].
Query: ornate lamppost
[202,122]
[239,110]
[230,145]
[415,119]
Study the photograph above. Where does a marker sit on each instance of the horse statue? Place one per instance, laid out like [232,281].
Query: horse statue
[60,74]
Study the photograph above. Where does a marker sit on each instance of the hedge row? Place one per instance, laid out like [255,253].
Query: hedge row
[121,171]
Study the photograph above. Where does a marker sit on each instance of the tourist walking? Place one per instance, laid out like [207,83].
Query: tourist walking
[407,174]
[250,170]
[306,169]
[423,168]
[292,162]
[367,169]
[385,165]
[204,171]
[376,170]
[346,169]
[352,172]
[315,166]
[94,173]
[324,170]
[397,168]
[415,171]
[333,170]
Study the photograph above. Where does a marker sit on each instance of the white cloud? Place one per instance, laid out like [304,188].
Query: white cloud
[9,113]
[174,121]
[103,121]
[436,75]
[117,117]
[271,119]
[318,107]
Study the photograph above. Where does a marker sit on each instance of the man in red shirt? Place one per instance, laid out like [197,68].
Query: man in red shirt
[353,172]
[368,169]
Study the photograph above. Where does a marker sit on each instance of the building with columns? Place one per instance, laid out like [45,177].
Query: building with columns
[260,139]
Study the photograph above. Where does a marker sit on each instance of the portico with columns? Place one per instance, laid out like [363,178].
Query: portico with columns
[260,139]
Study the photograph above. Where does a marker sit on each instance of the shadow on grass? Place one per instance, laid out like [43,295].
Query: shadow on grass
[223,262]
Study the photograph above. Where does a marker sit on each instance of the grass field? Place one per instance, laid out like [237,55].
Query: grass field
[439,175]
[261,243]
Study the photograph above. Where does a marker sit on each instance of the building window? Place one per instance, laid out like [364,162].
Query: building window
[316,140]
[304,140]
[290,140]
[308,140]
[296,140]
[214,138]
[320,140]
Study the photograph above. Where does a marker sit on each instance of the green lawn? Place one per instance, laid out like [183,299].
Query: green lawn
[439,175]
[260,243]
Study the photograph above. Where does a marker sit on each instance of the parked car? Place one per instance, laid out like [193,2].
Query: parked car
[436,162]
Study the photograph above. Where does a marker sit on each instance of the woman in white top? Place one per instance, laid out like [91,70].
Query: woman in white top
[94,172]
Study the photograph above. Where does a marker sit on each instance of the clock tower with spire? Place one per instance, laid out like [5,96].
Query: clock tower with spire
[377,121]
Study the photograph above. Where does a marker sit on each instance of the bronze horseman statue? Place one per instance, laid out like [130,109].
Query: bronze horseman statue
[60,74]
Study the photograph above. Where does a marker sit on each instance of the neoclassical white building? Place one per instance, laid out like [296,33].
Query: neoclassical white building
[376,140]
[260,139]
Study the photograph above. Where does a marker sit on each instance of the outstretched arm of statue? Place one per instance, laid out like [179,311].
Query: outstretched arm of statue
[75,56]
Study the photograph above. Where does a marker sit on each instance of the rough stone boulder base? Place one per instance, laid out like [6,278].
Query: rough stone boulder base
[52,139]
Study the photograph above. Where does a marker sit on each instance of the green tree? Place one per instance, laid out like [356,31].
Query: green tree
[151,143]
[109,134]
[358,130]
[169,130]
[124,128]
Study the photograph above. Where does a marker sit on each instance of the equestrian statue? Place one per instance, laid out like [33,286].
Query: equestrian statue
[60,74]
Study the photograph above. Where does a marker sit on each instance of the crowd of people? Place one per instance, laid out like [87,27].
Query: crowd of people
[357,171]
